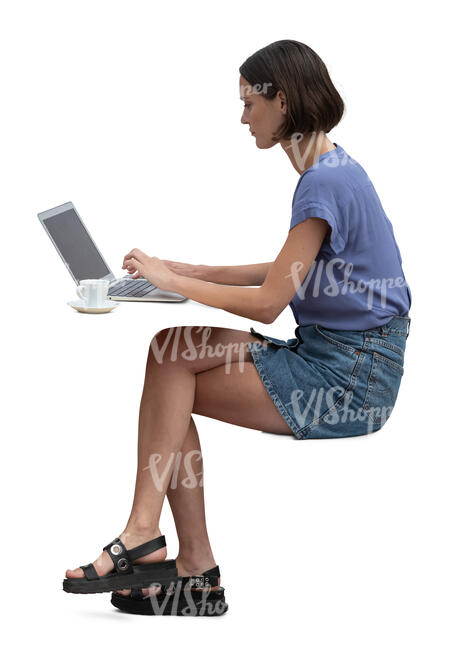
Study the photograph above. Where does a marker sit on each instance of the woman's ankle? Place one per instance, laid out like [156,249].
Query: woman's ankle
[134,536]
[137,532]
[196,561]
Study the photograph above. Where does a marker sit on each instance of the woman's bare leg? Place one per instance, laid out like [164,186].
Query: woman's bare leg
[176,367]
[186,498]
[185,494]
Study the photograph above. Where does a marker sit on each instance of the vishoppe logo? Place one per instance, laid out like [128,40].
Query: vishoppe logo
[182,601]
[301,154]
[319,270]
[183,334]
[256,89]
[323,404]
[174,465]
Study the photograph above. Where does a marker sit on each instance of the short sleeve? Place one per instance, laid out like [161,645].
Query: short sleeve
[319,211]
[316,199]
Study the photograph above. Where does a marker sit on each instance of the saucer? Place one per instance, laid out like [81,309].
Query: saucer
[81,306]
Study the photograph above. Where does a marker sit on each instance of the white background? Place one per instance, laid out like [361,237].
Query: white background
[131,110]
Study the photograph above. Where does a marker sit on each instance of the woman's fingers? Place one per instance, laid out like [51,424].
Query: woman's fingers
[126,262]
[136,265]
[135,254]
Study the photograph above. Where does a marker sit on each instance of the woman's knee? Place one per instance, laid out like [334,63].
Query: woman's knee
[161,345]
[172,343]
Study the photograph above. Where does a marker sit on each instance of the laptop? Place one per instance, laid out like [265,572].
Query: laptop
[83,259]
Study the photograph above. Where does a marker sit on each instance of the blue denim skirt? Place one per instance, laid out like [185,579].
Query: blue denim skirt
[333,383]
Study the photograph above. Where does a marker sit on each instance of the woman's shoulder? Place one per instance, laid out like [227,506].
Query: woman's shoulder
[333,178]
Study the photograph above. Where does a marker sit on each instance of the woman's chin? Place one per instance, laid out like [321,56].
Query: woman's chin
[264,144]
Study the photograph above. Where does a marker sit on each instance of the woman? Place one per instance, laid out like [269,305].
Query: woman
[339,270]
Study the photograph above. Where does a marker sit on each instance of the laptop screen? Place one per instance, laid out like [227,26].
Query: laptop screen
[75,245]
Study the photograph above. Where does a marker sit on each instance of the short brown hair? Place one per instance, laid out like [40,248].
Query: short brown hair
[313,102]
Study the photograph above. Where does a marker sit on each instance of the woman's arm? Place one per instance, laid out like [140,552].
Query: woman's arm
[251,275]
[263,303]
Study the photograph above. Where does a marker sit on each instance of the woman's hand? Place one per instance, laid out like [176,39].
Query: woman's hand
[151,268]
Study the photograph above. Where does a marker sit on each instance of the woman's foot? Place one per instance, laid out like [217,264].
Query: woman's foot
[185,567]
[130,539]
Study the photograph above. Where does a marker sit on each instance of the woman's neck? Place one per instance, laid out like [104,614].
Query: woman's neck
[304,151]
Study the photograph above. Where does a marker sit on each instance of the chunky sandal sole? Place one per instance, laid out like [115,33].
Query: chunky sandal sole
[211,603]
[143,575]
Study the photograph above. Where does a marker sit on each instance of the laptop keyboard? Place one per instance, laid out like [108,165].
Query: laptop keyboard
[133,288]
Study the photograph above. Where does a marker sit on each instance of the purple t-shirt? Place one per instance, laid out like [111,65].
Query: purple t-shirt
[356,282]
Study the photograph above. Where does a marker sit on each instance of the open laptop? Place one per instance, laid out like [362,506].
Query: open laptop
[83,259]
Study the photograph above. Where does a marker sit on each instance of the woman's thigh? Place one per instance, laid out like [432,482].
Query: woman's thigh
[228,386]
[238,397]
[198,347]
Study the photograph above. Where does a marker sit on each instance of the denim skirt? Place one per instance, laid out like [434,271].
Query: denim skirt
[330,383]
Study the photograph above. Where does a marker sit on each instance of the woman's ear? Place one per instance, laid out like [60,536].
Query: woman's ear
[282,97]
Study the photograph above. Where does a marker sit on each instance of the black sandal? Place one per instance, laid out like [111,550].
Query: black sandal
[179,599]
[125,574]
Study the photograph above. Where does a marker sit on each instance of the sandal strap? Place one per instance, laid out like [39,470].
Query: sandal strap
[147,547]
[89,572]
[207,579]
[123,558]
[136,592]
[215,571]
[120,556]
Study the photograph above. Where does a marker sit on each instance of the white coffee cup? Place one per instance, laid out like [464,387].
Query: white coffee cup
[93,292]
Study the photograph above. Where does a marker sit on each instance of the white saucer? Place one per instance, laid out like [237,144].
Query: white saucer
[80,305]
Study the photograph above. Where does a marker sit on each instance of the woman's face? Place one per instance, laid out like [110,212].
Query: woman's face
[263,116]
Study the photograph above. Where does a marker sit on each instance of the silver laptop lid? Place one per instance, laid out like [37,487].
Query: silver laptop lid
[76,247]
